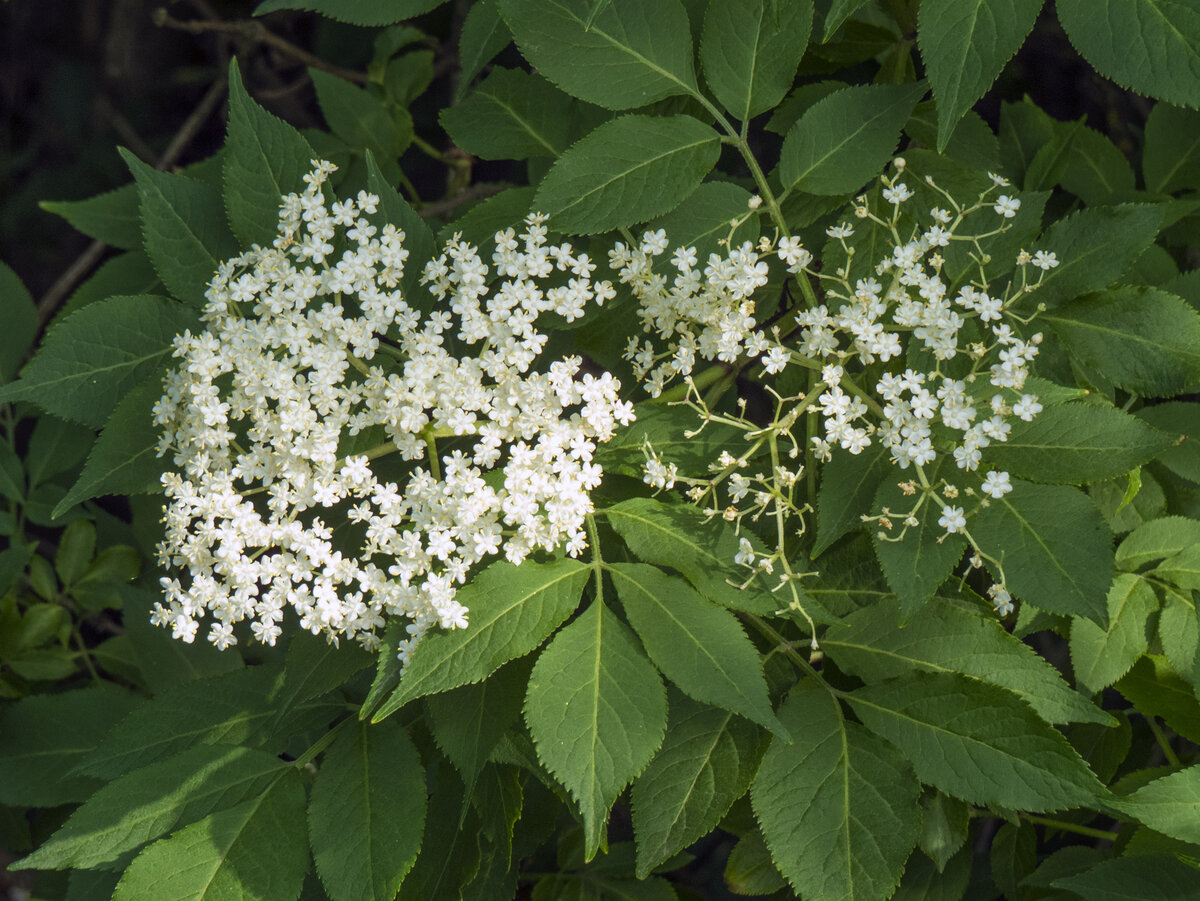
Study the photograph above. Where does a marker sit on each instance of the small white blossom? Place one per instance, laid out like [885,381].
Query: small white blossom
[952,519]
[996,484]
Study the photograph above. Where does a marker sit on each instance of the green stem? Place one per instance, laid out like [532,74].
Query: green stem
[597,558]
[1071,827]
[1163,742]
[771,634]
[320,744]
[709,376]
[83,652]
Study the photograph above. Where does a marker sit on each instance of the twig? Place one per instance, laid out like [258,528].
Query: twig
[256,31]
[87,260]
[475,192]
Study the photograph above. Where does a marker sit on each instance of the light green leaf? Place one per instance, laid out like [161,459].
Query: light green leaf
[849,483]
[703,219]
[1077,443]
[626,171]
[1178,632]
[679,536]
[359,118]
[511,115]
[1102,656]
[947,638]
[468,721]
[977,742]
[915,566]
[255,850]
[705,764]
[512,610]
[699,646]
[92,358]
[1062,570]
[265,158]
[1143,340]
[1094,247]
[597,712]
[20,322]
[632,54]
[483,35]
[367,812]
[750,52]
[111,217]
[356,12]
[1152,877]
[183,229]
[844,139]
[837,806]
[1171,158]
[1183,569]
[154,800]
[1148,46]
[1157,540]
[965,44]
[1168,804]
[43,736]
[124,459]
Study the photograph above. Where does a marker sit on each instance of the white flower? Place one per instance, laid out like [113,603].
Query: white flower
[745,553]
[1006,206]
[996,484]
[897,194]
[952,519]
[1044,259]
[1001,600]
[1027,407]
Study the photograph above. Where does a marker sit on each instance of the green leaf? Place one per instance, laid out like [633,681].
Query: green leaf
[359,118]
[947,638]
[512,611]
[1145,878]
[1143,340]
[1094,247]
[849,483]
[1098,171]
[923,881]
[1157,540]
[228,708]
[253,850]
[965,44]
[483,35]
[55,446]
[634,53]
[750,52]
[699,646]
[20,322]
[1013,856]
[1024,129]
[1178,631]
[977,742]
[165,661]
[1178,417]
[452,849]
[91,359]
[597,712]
[1171,157]
[944,825]
[356,12]
[43,736]
[154,800]
[750,869]
[839,12]
[837,805]
[1155,690]
[265,158]
[124,459]
[111,217]
[480,223]
[705,764]
[1077,443]
[1183,569]
[1062,570]
[183,229]
[468,721]
[923,560]
[511,115]
[844,139]
[626,171]
[679,536]
[703,219]
[1148,46]
[367,812]
[75,550]
[1168,804]
[314,667]
[1102,656]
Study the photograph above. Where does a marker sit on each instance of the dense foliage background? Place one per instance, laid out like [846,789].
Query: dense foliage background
[152,752]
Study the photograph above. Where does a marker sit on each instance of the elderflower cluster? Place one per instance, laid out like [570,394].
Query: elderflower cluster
[304,424]
[859,329]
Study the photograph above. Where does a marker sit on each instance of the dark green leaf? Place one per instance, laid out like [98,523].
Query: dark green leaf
[839,12]
[626,171]
[55,447]
[1098,171]
[367,812]
[1157,540]
[597,712]
[20,322]
[1062,570]
[837,805]
[356,12]
[944,825]
[844,140]
[1148,878]
[511,115]
[1155,690]
[183,229]
[703,219]
[359,118]
[848,486]
[632,54]
[512,611]
[111,217]
[977,742]
[484,34]
[76,547]
[1171,158]
[696,644]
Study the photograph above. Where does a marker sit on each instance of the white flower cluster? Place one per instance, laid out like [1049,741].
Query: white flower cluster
[304,424]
